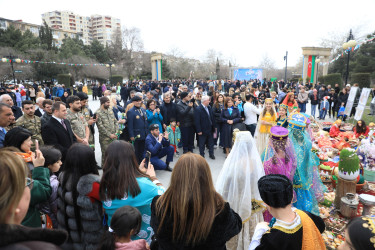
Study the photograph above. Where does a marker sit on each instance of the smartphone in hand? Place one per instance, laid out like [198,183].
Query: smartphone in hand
[36,145]
[148,158]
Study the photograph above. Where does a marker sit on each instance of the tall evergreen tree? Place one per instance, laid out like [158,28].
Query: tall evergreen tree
[99,52]
[46,37]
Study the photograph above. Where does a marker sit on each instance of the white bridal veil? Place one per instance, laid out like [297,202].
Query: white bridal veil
[238,179]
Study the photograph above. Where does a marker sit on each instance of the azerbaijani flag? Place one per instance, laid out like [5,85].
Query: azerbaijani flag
[311,68]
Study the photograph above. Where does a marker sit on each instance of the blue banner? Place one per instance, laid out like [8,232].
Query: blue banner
[247,74]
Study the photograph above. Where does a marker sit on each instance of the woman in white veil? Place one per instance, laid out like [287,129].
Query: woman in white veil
[238,184]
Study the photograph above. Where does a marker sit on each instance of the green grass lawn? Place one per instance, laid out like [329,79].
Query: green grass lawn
[366,117]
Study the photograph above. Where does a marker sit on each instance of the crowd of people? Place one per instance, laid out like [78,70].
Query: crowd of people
[51,193]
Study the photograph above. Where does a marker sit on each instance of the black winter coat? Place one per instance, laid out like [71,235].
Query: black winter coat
[21,237]
[185,114]
[168,111]
[217,113]
[226,225]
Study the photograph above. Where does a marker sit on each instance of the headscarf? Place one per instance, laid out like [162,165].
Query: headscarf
[273,162]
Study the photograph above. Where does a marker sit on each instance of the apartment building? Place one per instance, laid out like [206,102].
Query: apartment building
[57,34]
[19,25]
[89,28]
[69,22]
[104,27]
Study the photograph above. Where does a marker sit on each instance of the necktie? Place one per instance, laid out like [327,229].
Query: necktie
[63,123]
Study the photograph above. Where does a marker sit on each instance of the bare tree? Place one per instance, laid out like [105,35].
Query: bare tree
[268,66]
[115,51]
[131,43]
[336,38]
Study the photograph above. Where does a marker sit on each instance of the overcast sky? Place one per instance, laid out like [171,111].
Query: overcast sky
[245,30]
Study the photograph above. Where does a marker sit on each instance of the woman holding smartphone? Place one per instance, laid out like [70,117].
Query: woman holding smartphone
[19,140]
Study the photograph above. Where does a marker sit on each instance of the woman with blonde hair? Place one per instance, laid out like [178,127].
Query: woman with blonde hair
[15,188]
[267,119]
[231,91]
[191,214]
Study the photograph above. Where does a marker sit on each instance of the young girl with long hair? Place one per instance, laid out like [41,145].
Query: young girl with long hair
[79,210]
[291,102]
[267,119]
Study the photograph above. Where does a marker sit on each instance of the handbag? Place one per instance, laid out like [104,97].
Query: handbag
[215,133]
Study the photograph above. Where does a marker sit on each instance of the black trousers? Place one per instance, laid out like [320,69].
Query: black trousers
[187,138]
[139,148]
[251,128]
[202,144]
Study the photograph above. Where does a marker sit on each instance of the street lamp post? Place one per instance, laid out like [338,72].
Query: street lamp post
[11,60]
[110,65]
[350,43]
[286,65]
[317,69]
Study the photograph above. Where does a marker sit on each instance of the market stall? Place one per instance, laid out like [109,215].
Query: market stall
[347,168]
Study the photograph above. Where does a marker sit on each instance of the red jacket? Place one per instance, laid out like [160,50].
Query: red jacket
[359,134]
[334,131]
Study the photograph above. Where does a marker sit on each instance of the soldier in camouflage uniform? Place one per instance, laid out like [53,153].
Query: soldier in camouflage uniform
[87,113]
[77,120]
[30,122]
[107,124]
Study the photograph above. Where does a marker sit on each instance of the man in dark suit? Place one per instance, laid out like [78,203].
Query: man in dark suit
[7,99]
[158,145]
[137,127]
[57,131]
[39,111]
[124,93]
[205,125]
[6,117]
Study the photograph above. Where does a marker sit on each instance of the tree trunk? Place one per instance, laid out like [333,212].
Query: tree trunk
[343,187]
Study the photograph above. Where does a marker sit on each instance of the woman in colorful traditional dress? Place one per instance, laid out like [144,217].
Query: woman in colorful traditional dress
[306,181]
[291,102]
[279,157]
[267,119]
[282,120]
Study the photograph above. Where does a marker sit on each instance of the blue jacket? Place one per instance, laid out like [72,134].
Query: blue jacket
[117,110]
[203,122]
[154,146]
[174,138]
[154,119]
[60,92]
[137,123]
[2,137]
